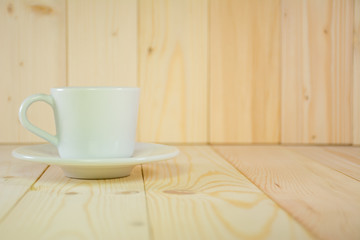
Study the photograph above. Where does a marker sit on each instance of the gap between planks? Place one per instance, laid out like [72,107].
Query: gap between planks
[333,158]
[23,195]
[150,230]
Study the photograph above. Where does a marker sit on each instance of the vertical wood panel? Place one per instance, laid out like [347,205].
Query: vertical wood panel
[317,71]
[244,71]
[173,70]
[356,109]
[32,60]
[318,103]
[102,43]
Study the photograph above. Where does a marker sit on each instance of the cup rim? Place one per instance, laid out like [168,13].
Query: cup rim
[95,88]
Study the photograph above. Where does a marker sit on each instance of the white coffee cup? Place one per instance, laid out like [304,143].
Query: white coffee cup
[91,122]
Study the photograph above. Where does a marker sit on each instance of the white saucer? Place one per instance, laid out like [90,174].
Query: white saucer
[96,168]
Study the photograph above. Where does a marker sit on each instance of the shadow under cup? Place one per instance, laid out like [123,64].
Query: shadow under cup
[91,122]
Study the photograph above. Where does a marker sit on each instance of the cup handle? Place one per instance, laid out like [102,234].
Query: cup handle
[25,121]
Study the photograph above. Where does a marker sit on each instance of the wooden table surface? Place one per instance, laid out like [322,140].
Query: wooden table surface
[207,192]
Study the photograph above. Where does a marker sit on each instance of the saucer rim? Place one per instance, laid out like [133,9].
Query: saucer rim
[97,162]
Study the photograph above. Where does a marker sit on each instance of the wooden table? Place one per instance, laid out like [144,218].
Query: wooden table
[207,192]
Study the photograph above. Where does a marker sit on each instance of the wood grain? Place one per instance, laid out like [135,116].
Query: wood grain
[342,159]
[244,71]
[57,207]
[356,90]
[102,43]
[354,152]
[209,69]
[173,38]
[32,60]
[325,201]
[199,195]
[16,177]
[317,71]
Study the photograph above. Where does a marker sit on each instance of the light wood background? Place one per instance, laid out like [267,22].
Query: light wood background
[210,71]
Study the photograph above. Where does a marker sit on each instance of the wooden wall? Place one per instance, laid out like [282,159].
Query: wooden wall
[210,71]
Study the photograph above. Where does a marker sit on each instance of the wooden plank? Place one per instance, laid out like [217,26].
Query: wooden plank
[173,37]
[354,152]
[325,201]
[356,102]
[342,159]
[102,43]
[32,60]
[61,208]
[199,195]
[317,71]
[16,177]
[244,71]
